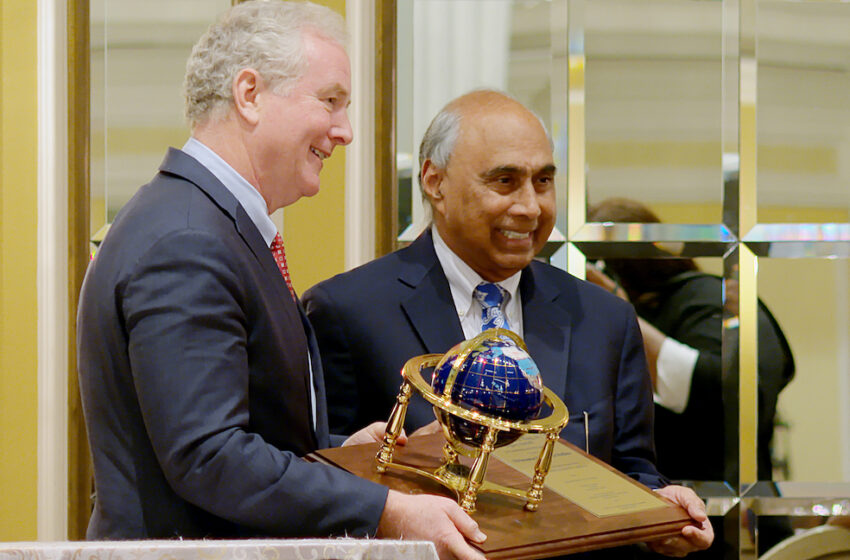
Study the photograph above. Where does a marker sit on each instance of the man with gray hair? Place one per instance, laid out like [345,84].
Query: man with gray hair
[200,377]
[488,173]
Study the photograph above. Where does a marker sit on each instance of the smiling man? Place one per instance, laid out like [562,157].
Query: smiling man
[487,171]
[199,373]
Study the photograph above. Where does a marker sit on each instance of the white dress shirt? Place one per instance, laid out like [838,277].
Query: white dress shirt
[674,372]
[463,280]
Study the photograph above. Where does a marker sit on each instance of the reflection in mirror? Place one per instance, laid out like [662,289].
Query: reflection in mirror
[809,298]
[684,302]
[693,309]
[680,303]
[803,52]
[138,58]
[653,94]
[777,240]
[817,514]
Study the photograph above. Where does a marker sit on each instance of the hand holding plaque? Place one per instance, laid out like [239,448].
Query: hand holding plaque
[487,395]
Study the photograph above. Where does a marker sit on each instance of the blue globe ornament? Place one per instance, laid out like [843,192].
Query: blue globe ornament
[492,375]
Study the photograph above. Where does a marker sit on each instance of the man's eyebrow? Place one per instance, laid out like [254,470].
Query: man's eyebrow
[549,169]
[501,170]
[336,89]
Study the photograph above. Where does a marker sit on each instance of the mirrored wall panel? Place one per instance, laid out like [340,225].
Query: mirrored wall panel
[803,111]
[814,517]
[138,58]
[810,299]
[653,93]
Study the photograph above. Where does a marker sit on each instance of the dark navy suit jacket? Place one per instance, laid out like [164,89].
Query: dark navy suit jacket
[195,380]
[586,342]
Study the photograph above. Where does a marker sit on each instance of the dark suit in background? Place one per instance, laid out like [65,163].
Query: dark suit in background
[689,308]
[192,359]
[586,342]
[678,302]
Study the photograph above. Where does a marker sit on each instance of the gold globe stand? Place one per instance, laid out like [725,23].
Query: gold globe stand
[468,482]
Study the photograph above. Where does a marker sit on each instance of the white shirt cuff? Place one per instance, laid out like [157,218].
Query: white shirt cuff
[675,369]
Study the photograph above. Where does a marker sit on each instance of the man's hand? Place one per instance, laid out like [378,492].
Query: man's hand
[372,433]
[692,538]
[432,518]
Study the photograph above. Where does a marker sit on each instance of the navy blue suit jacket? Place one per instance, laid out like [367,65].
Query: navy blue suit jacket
[586,342]
[195,379]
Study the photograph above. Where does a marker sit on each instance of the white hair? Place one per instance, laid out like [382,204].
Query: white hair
[266,35]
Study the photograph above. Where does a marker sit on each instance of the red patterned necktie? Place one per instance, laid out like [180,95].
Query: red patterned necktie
[280,258]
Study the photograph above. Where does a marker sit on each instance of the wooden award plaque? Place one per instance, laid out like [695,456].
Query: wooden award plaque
[560,526]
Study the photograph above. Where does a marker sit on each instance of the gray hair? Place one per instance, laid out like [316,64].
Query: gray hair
[440,138]
[266,35]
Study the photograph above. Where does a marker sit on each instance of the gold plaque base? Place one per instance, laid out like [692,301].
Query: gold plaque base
[557,528]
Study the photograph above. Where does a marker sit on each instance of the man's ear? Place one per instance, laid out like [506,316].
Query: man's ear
[247,86]
[432,181]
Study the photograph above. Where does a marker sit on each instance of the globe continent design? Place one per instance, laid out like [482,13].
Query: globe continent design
[497,378]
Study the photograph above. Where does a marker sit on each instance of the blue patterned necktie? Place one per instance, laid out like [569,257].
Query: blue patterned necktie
[490,297]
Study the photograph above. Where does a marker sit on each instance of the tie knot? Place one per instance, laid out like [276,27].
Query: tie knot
[489,294]
[279,255]
[277,243]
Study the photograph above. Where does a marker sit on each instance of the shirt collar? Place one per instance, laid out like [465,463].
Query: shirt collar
[462,278]
[248,197]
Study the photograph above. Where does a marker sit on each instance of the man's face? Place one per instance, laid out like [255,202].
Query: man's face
[296,132]
[494,204]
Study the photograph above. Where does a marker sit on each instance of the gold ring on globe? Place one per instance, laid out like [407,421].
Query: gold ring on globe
[468,482]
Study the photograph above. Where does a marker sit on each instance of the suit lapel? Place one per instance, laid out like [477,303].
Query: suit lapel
[251,235]
[546,329]
[430,308]
[182,165]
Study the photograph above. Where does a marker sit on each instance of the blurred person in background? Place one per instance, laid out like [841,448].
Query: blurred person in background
[680,313]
